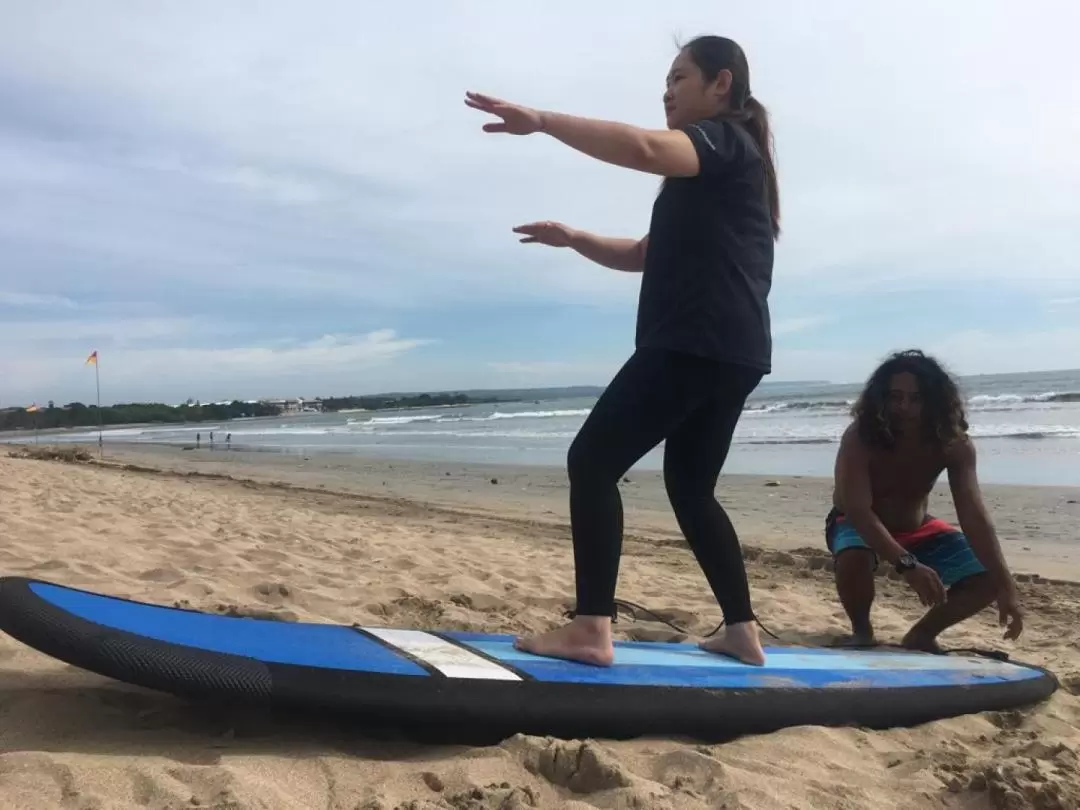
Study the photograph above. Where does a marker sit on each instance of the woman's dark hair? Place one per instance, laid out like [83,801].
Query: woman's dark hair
[943,418]
[712,54]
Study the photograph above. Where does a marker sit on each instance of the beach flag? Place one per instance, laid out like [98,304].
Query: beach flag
[97,383]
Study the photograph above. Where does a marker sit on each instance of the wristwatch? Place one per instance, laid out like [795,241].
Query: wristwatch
[904,563]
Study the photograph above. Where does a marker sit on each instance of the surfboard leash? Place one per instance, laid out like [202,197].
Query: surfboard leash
[997,655]
[633,608]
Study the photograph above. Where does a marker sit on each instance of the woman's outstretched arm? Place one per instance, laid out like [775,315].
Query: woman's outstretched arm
[665,152]
[615,253]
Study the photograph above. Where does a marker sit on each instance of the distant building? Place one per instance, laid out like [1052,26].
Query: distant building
[295,404]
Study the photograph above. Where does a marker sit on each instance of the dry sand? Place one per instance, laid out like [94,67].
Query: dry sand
[348,540]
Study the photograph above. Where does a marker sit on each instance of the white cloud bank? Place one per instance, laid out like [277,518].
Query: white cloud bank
[242,168]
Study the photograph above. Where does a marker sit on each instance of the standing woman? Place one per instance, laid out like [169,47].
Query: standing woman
[703,332]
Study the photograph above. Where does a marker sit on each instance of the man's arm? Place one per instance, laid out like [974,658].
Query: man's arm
[856,496]
[974,518]
[627,255]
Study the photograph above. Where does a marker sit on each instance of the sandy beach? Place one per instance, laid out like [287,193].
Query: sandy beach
[325,538]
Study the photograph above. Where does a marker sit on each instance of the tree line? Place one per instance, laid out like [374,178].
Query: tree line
[76,414]
[387,401]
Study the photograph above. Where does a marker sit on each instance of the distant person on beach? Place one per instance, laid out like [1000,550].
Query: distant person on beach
[909,426]
[703,331]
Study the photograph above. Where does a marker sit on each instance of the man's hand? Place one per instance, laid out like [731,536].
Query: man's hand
[927,584]
[1009,614]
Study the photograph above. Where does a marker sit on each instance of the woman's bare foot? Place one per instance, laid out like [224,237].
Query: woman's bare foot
[738,641]
[586,639]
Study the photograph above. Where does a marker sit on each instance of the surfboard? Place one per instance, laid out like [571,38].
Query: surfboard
[407,675]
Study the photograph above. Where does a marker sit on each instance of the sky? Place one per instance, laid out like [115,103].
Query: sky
[262,199]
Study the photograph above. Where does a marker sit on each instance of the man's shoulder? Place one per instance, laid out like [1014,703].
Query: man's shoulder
[853,449]
[851,438]
[960,452]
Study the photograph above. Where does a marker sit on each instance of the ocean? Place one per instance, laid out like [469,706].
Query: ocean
[1027,430]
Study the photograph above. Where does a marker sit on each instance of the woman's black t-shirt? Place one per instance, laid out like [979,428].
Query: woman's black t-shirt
[708,264]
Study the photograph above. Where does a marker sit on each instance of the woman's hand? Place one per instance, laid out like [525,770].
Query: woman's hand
[550,233]
[516,120]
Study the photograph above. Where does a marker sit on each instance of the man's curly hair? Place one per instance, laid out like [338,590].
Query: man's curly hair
[943,417]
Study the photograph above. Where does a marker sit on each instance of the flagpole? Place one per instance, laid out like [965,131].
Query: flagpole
[97,381]
[93,358]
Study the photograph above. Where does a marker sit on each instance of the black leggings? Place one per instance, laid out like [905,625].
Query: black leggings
[694,404]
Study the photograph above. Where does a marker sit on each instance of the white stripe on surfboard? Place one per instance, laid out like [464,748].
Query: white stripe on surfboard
[451,660]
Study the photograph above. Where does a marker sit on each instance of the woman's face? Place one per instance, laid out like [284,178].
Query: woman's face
[689,97]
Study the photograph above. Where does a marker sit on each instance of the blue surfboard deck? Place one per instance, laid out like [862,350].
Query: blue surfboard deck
[404,675]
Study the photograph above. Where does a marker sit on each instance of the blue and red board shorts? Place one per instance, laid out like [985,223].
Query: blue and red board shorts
[936,544]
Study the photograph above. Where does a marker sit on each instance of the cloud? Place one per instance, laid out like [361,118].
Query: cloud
[1055,304]
[257,184]
[314,366]
[112,332]
[35,301]
[327,353]
[319,173]
[965,352]
[979,351]
[552,372]
[788,326]
[562,372]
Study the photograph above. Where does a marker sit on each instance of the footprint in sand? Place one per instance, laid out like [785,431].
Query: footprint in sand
[165,574]
[1007,720]
[583,767]
[273,592]
[1009,784]
[500,796]
[408,610]
[208,786]
[242,612]
[1070,682]
[50,565]
[29,774]
[534,580]
[264,556]
[690,771]
[153,790]
[484,602]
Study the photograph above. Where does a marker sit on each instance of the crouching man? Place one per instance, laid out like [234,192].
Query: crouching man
[909,425]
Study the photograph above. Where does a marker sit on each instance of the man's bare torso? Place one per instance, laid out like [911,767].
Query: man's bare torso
[901,480]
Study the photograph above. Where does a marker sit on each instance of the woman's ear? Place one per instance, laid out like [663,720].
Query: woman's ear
[722,84]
